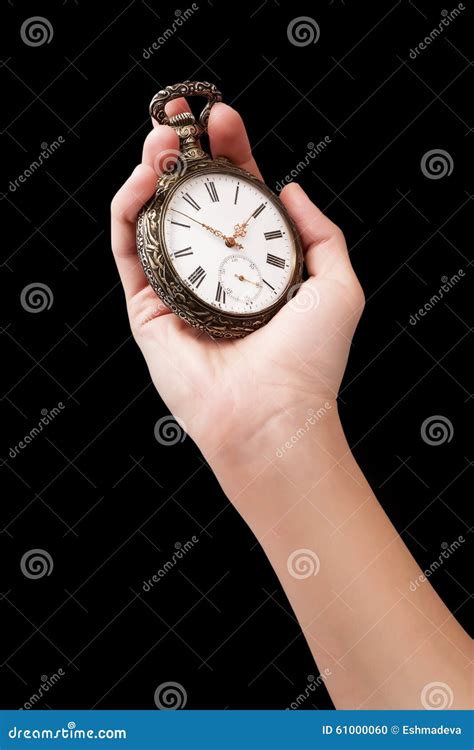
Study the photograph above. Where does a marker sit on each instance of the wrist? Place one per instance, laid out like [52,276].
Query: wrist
[296,447]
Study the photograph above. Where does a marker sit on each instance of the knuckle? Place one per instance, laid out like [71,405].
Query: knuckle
[338,234]
[358,295]
[114,206]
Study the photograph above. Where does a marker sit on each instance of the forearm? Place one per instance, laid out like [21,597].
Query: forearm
[299,488]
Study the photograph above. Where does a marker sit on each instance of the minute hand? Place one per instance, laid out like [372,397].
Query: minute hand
[230,241]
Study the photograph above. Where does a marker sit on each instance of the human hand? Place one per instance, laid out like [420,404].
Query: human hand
[239,399]
[226,392]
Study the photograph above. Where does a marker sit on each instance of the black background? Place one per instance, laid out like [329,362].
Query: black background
[96,490]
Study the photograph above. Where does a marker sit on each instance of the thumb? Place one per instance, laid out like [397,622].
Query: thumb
[325,250]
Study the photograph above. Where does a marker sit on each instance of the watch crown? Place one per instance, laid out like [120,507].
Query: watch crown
[182,119]
[189,132]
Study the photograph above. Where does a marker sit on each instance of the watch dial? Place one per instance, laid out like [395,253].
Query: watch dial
[229,242]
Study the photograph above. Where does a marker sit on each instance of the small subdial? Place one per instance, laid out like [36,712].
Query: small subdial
[240,278]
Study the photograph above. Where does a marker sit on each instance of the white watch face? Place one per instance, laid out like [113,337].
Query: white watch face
[229,242]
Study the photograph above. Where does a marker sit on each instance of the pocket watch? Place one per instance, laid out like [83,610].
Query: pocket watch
[216,244]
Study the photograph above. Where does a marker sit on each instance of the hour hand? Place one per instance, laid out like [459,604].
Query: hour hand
[240,230]
[229,241]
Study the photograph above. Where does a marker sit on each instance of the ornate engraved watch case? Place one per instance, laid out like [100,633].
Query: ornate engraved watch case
[181,291]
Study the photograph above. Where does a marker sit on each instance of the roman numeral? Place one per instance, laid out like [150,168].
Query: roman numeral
[274,260]
[271,287]
[191,201]
[220,293]
[211,189]
[258,210]
[273,235]
[183,252]
[178,223]
[236,194]
[197,276]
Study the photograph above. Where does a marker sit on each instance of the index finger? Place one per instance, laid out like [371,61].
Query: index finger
[228,137]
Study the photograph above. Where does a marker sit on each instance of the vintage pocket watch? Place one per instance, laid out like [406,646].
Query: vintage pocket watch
[216,244]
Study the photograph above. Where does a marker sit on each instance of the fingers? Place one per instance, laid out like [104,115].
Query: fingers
[174,107]
[227,135]
[126,204]
[160,147]
[229,138]
[323,242]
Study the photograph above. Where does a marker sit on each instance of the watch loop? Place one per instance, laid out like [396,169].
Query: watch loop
[189,130]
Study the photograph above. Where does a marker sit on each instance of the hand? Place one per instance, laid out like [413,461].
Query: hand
[240,399]
[227,392]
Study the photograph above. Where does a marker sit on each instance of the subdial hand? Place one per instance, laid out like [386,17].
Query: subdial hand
[229,241]
[243,278]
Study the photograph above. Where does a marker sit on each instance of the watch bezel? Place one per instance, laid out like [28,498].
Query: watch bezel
[163,276]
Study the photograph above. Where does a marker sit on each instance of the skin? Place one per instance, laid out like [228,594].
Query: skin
[241,401]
